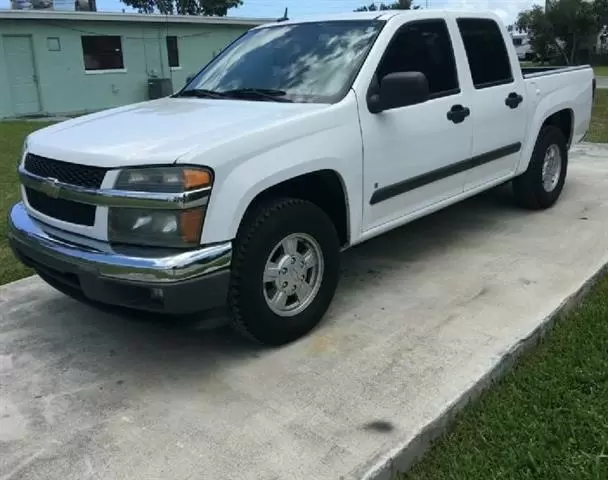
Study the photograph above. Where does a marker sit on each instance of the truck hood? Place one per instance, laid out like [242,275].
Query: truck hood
[159,131]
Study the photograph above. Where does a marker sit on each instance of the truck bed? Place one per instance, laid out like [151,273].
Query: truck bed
[534,72]
[561,88]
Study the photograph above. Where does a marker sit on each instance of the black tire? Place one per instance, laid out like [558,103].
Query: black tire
[262,229]
[528,188]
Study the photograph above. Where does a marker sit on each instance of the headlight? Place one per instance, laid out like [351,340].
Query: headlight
[162,228]
[172,228]
[163,179]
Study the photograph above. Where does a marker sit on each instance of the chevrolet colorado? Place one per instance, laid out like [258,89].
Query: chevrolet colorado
[298,140]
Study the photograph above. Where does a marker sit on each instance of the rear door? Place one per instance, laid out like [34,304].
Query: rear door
[413,154]
[498,103]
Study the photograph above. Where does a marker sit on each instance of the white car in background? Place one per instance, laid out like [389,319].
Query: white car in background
[523,49]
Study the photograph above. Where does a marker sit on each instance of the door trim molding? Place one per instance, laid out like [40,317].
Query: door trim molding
[404,186]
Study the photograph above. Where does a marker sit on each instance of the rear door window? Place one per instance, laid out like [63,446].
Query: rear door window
[486,52]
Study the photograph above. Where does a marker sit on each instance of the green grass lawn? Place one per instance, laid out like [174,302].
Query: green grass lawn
[12,135]
[598,130]
[601,71]
[545,420]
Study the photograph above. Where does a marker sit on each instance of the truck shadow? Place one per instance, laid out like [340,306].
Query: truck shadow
[416,242]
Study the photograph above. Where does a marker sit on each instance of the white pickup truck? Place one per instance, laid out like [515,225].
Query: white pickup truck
[300,139]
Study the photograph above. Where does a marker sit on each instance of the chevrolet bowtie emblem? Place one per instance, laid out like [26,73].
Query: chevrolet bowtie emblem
[51,187]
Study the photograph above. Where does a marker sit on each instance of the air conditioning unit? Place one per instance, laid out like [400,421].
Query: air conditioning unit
[159,88]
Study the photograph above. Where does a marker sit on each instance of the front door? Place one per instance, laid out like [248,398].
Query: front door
[412,154]
[498,105]
[22,79]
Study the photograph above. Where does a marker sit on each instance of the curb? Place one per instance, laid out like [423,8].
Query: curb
[402,458]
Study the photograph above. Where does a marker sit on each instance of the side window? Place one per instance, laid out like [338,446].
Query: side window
[486,52]
[423,47]
[173,52]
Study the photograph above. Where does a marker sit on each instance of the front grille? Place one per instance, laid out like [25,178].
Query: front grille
[65,172]
[65,210]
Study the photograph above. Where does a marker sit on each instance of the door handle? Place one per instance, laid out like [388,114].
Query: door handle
[513,100]
[458,113]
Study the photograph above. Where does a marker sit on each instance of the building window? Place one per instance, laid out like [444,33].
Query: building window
[53,44]
[102,53]
[173,52]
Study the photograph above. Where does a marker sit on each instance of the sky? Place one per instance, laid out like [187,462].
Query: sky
[507,9]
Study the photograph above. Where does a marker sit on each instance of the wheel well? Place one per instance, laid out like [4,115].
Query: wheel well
[564,121]
[323,188]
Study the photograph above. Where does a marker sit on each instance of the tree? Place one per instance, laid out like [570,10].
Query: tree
[564,27]
[398,5]
[184,7]
[600,8]
[540,32]
[574,22]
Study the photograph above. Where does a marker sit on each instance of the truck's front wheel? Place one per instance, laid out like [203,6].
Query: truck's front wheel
[284,272]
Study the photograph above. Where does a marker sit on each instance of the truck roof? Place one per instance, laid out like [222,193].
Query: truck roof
[388,14]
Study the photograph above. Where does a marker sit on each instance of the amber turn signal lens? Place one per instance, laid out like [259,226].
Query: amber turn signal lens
[194,178]
[191,224]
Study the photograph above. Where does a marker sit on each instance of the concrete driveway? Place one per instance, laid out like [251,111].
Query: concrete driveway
[422,315]
[602,82]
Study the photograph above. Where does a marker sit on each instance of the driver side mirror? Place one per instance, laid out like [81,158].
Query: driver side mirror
[189,78]
[397,90]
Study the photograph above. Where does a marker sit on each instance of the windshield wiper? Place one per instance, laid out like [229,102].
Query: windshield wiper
[267,94]
[259,93]
[201,93]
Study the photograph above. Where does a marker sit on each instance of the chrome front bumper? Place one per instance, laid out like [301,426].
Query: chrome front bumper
[98,269]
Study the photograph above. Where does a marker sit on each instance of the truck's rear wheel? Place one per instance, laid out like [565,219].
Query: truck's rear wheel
[541,184]
[284,272]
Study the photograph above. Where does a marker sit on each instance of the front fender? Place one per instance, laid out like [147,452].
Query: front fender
[338,149]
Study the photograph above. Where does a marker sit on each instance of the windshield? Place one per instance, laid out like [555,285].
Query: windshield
[305,62]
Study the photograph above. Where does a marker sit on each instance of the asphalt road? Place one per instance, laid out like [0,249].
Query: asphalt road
[421,315]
